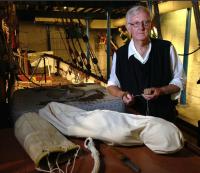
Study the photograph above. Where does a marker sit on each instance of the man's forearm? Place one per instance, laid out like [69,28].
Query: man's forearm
[169,89]
[115,91]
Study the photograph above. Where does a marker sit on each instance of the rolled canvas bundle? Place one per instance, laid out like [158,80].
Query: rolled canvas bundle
[115,128]
[43,142]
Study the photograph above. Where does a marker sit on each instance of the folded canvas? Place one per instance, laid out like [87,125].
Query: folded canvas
[42,141]
[114,127]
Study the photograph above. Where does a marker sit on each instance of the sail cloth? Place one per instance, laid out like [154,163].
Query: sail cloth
[43,142]
[115,128]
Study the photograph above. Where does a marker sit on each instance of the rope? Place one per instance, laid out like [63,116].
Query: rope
[34,71]
[195,5]
[57,168]
[84,58]
[89,144]
[71,52]
[91,53]
[190,52]
[78,56]
[75,156]
[28,77]
[157,19]
[66,45]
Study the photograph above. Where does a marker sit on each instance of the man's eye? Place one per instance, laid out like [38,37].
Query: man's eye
[136,23]
[146,22]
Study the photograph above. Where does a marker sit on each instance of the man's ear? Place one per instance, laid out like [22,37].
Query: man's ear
[128,27]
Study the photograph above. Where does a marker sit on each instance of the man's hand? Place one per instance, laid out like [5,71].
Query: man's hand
[128,99]
[152,93]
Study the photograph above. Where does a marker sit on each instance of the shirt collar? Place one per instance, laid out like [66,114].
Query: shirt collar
[132,51]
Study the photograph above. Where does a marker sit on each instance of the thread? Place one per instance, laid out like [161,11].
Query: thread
[75,156]
[67,165]
[147,103]
[59,169]
[51,170]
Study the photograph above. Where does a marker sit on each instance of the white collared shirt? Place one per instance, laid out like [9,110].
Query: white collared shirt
[176,67]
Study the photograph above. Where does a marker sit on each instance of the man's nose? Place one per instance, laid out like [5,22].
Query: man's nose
[141,25]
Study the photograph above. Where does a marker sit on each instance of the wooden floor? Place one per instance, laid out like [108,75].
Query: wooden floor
[189,121]
[189,113]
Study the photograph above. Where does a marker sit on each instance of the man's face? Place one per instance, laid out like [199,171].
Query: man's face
[139,26]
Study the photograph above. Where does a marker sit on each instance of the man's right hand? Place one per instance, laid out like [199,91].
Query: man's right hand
[128,98]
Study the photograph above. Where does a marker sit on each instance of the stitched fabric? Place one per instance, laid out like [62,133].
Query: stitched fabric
[115,128]
[41,140]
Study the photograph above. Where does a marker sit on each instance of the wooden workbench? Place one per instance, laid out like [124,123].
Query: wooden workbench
[13,158]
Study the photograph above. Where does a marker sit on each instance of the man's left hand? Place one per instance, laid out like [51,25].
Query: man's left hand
[152,93]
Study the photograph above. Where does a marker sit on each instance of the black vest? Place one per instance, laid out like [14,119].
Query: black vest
[134,77]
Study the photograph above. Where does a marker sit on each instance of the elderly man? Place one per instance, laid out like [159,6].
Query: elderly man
[146,73]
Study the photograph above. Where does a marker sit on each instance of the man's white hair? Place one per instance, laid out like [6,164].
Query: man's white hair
[134,10]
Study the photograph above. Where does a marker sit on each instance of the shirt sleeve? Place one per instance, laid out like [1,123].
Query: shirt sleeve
[113,80]
[178,75]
